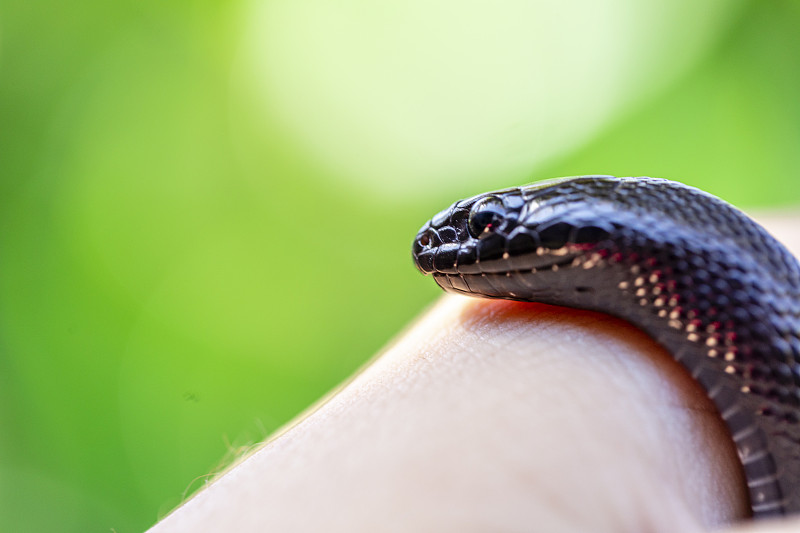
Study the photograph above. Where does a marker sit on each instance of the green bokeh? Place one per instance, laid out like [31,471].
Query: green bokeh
[189,259]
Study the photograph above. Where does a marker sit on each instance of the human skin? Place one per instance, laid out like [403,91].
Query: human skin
[497,416]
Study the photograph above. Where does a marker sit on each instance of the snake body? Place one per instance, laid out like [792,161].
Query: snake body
[696,274]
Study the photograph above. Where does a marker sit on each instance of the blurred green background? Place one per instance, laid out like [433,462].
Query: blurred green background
[207,206]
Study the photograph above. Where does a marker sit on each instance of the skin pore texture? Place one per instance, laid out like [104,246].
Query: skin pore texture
[498,416]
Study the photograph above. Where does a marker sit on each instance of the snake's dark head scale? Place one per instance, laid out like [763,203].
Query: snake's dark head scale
[696,274]
[473,244]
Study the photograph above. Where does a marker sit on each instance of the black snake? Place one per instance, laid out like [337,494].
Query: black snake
[696,274]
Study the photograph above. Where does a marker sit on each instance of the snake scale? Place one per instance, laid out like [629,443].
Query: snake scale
[696,274]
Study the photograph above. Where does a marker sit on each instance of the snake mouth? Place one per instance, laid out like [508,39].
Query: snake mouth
[528,277]
[453,259]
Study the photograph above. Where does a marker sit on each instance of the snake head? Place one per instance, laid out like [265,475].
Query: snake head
[466,232]
[513,233]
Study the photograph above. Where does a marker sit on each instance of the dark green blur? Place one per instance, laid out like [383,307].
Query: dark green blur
[184,267]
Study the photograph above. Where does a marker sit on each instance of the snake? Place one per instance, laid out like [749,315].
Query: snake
[695,273]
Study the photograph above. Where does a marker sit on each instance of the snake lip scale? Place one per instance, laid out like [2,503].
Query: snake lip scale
[696,274]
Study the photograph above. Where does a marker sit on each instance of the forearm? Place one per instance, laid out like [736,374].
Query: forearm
[484,415]
[495,416]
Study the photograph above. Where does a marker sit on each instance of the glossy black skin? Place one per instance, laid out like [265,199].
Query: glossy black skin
[696,274]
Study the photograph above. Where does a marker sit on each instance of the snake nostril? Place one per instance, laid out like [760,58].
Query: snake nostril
[427,240]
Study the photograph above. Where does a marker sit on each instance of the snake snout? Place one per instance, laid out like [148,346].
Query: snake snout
[438,240]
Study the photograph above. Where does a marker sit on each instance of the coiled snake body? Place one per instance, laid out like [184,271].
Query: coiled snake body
[697,275]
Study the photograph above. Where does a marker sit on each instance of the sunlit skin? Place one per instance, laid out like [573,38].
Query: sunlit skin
[497,416]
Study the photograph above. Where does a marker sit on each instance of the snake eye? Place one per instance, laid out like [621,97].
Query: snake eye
[485,216]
